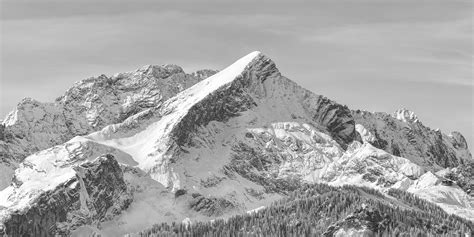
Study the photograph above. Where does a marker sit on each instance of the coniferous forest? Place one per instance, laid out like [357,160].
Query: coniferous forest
[322,210]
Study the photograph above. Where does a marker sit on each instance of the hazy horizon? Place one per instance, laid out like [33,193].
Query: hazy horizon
[370,55]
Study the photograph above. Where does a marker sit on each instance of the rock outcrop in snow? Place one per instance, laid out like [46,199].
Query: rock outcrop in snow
[88,106]
[404,135]
[363,222]
[95,193]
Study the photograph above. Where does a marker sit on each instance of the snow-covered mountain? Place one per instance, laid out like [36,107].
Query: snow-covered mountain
[191,148]
[88,106]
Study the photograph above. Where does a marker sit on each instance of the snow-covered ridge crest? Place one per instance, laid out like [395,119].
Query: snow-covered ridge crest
[251,82]
[185,99]
[88,106]
[154,147]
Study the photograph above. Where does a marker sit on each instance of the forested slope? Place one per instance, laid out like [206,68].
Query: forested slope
[322,210]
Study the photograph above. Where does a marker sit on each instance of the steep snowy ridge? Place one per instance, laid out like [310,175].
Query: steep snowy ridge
[88,106]
[151,146]
[233,142]
[250,82]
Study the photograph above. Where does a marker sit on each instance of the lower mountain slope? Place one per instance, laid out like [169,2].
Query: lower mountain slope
[97,192]
[322,210]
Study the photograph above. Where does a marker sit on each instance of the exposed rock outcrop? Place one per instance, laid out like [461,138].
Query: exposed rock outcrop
[404,135]
[96,193]
[463,176]
[365,222]
[210,206]
[88,106]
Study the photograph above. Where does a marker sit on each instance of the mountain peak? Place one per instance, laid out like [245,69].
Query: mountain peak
[225,77]
[252,55]
[161,71]
[406,115]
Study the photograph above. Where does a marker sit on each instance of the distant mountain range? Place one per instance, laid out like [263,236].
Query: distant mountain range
[158,151]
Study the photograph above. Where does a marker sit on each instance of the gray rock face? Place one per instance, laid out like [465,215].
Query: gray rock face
[97,193]
[463,176]
[204,73]
[88,106]
[458,140]
[261,167]
[409,138]
[337,119]
[245,93]
[365,222]
[227,102]
[2,132]
[209,206]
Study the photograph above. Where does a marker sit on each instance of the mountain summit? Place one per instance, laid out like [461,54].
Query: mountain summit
[174,146]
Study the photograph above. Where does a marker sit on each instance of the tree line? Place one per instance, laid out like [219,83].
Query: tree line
[322,210]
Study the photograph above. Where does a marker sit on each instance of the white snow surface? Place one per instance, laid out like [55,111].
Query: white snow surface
[406,116]
[365,134]
[451,198]
[256,210]
[88,106]
[353,232]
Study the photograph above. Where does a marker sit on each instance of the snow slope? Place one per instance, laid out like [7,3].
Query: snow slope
[88,106]
[149,147]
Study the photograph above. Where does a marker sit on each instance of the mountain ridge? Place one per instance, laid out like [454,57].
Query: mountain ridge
[238,140]
[88,106]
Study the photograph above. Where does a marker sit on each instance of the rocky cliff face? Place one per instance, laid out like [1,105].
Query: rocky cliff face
[403,134]
[88,106]
[248,91]
[96,193]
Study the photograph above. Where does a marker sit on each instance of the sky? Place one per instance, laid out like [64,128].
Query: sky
[376,55]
